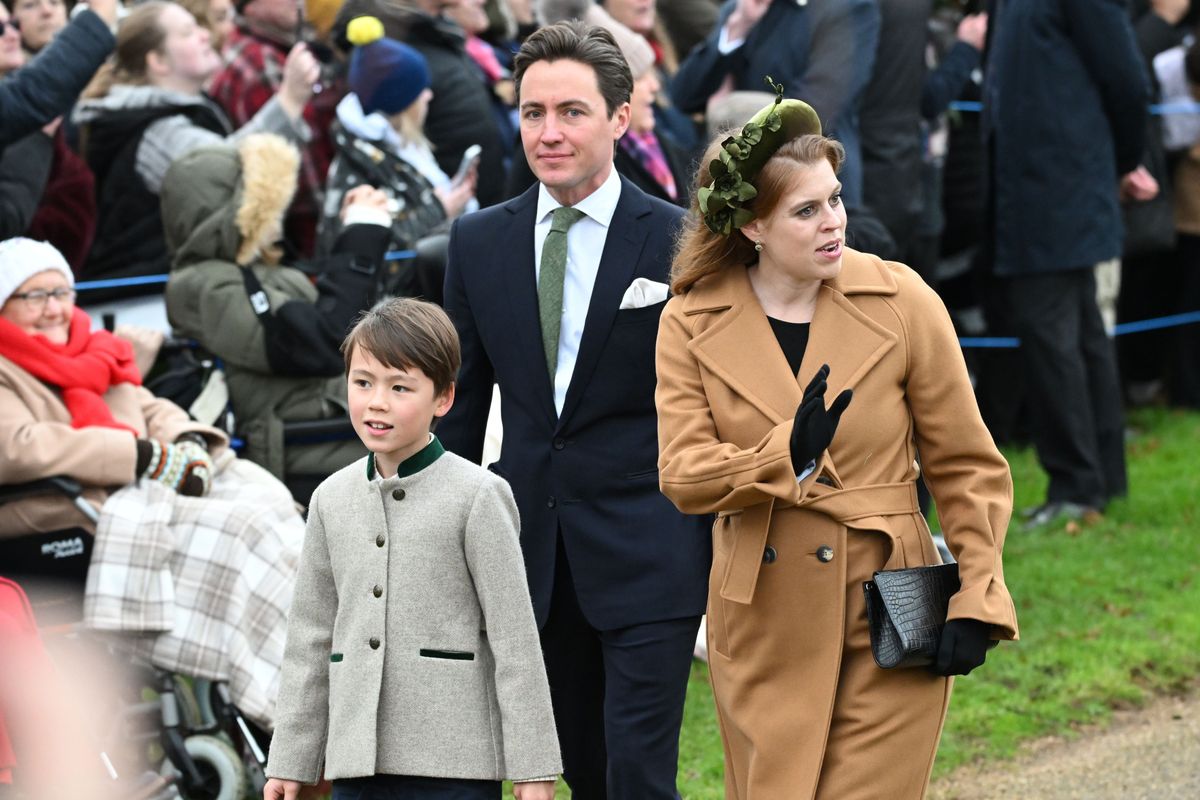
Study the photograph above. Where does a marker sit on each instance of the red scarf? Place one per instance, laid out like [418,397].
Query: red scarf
[84,368]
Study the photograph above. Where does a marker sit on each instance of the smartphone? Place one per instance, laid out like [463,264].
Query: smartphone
[470,159]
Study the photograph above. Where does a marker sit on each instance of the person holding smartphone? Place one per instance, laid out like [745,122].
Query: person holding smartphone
[380,141]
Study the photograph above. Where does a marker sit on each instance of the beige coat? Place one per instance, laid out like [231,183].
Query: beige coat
[37,441]
[804,711]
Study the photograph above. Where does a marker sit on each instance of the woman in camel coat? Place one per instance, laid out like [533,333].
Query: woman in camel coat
[804,711]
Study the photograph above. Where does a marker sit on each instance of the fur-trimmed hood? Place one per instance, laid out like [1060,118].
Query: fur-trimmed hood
[227,202]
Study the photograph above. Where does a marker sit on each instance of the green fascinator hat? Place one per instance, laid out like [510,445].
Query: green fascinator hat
[722,202]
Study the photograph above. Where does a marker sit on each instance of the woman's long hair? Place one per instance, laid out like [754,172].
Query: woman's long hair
[141,33]
[700,252]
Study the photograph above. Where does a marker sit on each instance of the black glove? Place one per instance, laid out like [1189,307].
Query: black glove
[963,647]
[814,426]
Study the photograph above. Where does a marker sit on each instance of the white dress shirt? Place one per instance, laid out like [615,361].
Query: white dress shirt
[585,244]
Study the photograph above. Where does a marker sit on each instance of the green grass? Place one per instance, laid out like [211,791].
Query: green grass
[1109,615]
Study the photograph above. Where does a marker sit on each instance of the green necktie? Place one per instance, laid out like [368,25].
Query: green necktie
[550,281]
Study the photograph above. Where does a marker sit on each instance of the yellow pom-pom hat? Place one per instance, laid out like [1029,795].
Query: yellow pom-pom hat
[386,75]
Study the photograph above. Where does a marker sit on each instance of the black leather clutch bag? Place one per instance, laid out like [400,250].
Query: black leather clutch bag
[906,610]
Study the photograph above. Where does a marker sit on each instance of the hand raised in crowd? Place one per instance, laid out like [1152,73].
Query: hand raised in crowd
[106,10]
[534,790]
[1172,11]
[278,789]
[963,646]
[363,197]
[300,75]
[973,30]
[814,426]
[456,196]
[745,16]
[1138,185]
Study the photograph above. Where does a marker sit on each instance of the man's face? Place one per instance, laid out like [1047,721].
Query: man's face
[566,131]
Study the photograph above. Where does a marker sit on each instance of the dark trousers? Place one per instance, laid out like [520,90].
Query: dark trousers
[413,787]
[1185,340]
[1074,394]
[618,698]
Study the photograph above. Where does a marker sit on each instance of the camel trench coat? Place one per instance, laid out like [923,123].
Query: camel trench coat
[804,711]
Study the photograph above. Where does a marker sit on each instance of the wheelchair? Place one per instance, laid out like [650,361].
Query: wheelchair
[169,737]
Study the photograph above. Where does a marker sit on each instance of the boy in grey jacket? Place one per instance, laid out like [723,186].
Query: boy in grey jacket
[413,667]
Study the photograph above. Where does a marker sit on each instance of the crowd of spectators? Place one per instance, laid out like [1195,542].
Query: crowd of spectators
[100,102]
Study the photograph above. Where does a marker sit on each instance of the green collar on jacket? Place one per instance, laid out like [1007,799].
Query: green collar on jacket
[414,463]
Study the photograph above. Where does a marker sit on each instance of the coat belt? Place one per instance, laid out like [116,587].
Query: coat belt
[860,507]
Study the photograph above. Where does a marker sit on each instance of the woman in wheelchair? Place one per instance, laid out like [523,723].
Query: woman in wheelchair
[194,549]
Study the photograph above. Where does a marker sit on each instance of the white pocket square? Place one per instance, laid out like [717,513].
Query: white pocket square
[644,292]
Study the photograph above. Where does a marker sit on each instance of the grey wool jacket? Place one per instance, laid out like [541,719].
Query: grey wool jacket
[412,647]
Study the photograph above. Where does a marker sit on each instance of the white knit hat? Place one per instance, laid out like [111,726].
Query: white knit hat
[21,259]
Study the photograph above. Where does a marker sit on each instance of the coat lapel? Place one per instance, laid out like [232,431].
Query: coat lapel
[514,248]
[618,265]
[741,349]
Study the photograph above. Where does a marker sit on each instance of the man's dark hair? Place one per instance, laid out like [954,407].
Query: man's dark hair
[577,41]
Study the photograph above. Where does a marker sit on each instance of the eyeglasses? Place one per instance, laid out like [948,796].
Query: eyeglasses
[10,23]
[39,297]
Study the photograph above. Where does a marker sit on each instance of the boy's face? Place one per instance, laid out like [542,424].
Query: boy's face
[392,409]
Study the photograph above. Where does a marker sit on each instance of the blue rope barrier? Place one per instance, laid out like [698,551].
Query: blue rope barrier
[118,283]
[1155,323]
[399,255]
[1183,107]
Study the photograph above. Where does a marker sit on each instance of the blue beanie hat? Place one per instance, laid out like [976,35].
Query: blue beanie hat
[386,75]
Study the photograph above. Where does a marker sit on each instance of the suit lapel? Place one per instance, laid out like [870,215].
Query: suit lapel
[514,256]
[618,264]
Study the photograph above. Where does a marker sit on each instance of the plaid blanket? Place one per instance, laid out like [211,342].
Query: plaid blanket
[207,581]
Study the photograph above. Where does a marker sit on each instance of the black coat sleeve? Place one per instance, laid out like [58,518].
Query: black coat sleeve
[24,168]
[945,83]
[50,84]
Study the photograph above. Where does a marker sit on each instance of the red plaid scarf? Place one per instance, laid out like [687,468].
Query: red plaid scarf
[649,153]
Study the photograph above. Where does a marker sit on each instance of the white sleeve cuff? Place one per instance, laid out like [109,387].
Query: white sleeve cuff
[366,215]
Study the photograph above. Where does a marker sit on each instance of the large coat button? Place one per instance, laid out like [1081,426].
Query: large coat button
[398,494]
[825,553]
[380,540]
[377,591]
[374,642]
[769,555]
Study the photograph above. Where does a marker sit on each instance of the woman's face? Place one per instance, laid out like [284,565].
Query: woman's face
[188,55]
[641,103]
[469,15]
[43,313]
[803,236]
[11,55]
[637,15]
[40,20]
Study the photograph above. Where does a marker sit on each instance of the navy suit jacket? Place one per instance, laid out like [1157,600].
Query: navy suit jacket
[591,472]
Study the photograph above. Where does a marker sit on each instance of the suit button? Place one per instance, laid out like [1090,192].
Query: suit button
[374,642]
[551,503]
[377,591]
[769,555]
[380,540]
[825,553]
[559,443]
[398,494]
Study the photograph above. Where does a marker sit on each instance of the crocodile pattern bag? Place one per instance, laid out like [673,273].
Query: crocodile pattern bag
[906,610]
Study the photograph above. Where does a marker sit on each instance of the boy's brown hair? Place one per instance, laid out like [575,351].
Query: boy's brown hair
[403,333]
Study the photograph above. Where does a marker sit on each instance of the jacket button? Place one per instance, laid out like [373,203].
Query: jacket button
[380,540]
[374,642]
[551,503]
[398,494]
[769,555]
[377,591]
[559,443]
[825,553]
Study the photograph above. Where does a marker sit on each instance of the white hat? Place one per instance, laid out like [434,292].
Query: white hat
[21,259]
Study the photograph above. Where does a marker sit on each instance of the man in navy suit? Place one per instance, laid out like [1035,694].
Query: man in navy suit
[617,576]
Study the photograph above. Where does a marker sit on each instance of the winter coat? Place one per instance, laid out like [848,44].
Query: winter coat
[47,87]
[799,698]
[221,210]
[37,441]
